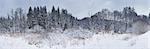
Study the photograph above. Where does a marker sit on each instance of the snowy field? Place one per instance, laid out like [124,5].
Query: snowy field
[70,41]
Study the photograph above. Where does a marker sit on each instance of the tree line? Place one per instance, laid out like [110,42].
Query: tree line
[105,20]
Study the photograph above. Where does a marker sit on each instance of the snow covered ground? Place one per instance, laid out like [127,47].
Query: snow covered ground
[63,41]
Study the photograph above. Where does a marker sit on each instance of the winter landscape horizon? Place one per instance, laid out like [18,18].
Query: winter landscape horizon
[74,24]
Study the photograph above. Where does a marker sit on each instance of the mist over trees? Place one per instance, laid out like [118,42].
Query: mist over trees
[125,21]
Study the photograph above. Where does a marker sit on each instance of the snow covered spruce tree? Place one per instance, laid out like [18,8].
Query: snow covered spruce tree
[37,16]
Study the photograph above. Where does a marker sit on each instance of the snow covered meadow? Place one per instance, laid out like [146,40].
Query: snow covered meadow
[74,40]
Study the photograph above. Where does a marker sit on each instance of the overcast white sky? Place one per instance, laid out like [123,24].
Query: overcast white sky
[78,8]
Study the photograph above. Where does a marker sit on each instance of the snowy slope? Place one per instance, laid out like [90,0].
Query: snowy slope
[62,41]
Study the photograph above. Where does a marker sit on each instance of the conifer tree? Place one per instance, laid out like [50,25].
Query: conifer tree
[53,9]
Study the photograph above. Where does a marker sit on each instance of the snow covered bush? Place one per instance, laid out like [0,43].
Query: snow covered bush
[78,33]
